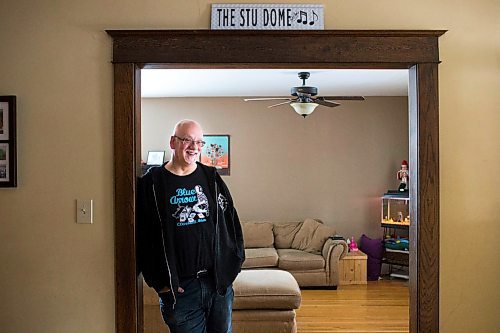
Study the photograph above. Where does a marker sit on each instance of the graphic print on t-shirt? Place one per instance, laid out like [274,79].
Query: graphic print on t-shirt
[192,205]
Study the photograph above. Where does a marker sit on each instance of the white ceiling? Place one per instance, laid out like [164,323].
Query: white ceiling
[271,82]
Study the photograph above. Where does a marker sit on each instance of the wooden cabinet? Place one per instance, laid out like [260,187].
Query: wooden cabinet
[352,268]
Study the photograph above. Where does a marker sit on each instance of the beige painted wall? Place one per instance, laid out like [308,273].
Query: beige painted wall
[333,165]
[58,276]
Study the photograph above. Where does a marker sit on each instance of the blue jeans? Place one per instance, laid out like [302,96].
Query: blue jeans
[199,309]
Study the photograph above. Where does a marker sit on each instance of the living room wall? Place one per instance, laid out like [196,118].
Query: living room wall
[58,276]
[333,165]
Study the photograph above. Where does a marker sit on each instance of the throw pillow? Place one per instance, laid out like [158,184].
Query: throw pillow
[257,234]
[374,249]
[284,234]
[312,236]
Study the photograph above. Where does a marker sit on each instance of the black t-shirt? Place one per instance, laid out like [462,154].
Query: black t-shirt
[188,206]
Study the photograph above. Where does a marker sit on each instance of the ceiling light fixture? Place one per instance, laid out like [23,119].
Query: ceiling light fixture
[304,108]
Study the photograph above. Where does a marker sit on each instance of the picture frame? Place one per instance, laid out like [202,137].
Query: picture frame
[216,153]
[8,151]
[155,158]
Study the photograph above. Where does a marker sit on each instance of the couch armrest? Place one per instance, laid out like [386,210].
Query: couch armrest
[333,251]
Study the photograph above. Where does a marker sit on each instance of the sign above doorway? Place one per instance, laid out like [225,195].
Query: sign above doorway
[267,17]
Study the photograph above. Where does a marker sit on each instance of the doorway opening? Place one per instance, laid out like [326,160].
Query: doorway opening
[413,50]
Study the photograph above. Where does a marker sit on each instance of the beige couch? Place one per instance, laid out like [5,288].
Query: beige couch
[302,248]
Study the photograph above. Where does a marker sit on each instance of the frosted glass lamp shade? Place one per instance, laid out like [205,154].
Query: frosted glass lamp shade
[304,109]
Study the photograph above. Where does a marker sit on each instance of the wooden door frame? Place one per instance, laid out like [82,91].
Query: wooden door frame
[355,49]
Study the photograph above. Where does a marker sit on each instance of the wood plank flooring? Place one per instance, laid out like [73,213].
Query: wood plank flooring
[379,306]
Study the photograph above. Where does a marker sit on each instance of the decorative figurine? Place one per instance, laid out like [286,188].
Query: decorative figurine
[400,217]
[403,175]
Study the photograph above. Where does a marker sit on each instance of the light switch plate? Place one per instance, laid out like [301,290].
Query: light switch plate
[84,211]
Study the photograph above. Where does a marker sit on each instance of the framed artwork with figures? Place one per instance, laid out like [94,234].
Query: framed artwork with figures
[216,153]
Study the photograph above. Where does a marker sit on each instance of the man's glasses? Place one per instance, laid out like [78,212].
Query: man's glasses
[189,142]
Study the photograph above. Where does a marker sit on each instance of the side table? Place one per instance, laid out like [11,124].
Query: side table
[352,268]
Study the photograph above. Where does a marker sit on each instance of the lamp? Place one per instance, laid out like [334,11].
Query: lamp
[304,108]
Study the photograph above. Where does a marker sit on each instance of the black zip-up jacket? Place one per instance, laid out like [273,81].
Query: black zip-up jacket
[155,243]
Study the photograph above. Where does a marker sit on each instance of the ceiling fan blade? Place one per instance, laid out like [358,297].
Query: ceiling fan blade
[272,106]
[266,99]
[325,103]
[343,98]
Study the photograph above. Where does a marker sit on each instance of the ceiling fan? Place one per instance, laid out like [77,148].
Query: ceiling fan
[303,99]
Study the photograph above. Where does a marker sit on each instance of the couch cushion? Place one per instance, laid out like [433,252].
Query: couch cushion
[298,260]
[257,234]
[374,248]
[266,289]
[284,234]
[263,257]
[312,236]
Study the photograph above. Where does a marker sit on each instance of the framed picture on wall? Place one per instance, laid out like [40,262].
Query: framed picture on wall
[216,153]
[8,166]
[155,157]
[4,162]
[4,120]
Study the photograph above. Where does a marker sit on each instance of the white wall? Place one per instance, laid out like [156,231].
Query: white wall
[58,276]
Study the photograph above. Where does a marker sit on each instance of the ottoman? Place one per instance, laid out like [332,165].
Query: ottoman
[265,301]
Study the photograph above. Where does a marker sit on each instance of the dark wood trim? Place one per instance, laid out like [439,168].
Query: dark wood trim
[250,47]
[266,33]
[125,165]
[424,176]
[138,173]
[295,65]
[417,50]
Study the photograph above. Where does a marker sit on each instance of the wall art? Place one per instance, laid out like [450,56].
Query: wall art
[215,153]
[8,151]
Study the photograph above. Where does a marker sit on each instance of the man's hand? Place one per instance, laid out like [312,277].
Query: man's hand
[167,289]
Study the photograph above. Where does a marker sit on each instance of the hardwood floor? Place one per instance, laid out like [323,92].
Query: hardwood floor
[379,306]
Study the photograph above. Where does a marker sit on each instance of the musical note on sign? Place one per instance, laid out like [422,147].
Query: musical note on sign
[315,18]
[302,15]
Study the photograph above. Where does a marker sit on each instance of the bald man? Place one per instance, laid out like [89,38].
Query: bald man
[190,244]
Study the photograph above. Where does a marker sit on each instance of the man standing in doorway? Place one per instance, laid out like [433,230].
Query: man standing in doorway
[190,244]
